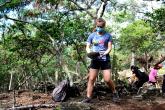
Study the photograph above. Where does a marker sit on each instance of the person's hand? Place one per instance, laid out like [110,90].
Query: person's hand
[88,50]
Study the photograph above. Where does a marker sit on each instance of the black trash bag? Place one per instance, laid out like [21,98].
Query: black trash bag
[93,55]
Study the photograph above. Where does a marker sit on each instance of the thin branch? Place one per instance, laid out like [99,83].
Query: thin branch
[83,9]
[29,77]
[33,25]
[50,37]
[79,55]
[3,4]
[90,4]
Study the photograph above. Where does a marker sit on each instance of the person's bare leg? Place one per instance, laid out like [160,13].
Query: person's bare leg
[91,80]
[110,83]
[107,79]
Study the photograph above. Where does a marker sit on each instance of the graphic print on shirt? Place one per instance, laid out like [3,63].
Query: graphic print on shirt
[98,42]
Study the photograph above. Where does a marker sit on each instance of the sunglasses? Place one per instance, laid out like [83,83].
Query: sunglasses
[100,26]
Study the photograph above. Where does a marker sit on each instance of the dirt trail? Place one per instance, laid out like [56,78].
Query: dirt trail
[100,103]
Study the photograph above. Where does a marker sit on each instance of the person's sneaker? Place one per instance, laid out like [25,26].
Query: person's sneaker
[115,97]
[163,95]
[139,97]
[87,100]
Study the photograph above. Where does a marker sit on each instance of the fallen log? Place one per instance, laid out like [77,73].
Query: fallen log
[27,107]
[63,106]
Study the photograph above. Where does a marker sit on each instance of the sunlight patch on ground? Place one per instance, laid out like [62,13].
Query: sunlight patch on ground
[161,71]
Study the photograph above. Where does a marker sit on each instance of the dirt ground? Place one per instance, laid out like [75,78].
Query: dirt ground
[25,98]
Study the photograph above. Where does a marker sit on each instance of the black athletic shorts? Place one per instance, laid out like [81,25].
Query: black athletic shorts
[103,65]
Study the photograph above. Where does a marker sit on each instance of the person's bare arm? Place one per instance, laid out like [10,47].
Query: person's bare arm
[109,48]
[132,78]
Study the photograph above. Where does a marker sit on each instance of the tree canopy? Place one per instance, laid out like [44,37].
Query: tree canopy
[140,38]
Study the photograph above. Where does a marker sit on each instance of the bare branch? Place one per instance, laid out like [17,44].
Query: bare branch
[100,11]
[104,6]
[160,60]
[97,9]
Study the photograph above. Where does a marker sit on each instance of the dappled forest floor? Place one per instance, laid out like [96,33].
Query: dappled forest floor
[25,98]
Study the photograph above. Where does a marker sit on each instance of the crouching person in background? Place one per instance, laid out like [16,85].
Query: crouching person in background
[138,77]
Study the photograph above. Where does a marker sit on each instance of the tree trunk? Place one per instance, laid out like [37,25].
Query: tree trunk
[78,67]
[132,58]
[65,68]
[11,78]
[146,59]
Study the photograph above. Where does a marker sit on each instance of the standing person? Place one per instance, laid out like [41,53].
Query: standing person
[100,41]
[153,74]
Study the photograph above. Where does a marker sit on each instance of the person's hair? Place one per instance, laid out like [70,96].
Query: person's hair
[134,68]
[158,66]
[99,22]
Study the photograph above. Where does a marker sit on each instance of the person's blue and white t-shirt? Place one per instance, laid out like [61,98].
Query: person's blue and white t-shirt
[100,43]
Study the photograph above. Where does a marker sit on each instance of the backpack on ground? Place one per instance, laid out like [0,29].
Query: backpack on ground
[60,92]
